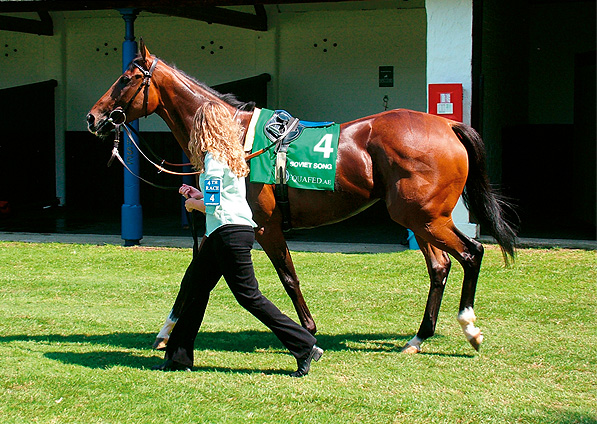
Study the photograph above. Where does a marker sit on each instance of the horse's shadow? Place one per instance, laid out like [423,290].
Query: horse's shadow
[243,341]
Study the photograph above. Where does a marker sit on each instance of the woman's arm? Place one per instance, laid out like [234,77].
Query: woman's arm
[194,198]
[190,191]
[194,204]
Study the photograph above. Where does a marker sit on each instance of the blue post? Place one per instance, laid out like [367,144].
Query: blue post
[132,211]
[412,241]
[187,179]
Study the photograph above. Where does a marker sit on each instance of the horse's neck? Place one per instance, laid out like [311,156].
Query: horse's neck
[179,101]
[180,97]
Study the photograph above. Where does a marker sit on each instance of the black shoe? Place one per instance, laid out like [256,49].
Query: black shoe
[305,365]
[170,365]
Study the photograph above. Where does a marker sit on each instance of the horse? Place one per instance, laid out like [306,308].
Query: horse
[417,163]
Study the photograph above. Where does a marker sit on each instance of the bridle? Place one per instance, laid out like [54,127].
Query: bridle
[147,74]
[117,118]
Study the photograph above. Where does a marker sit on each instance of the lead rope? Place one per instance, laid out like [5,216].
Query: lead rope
[116,154]
[161,168]
[192,217]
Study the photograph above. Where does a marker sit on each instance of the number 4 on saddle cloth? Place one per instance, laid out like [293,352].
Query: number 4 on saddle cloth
[303,154]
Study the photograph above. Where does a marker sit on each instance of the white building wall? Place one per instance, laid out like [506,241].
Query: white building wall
[449,60]
[329,62]
[425,43]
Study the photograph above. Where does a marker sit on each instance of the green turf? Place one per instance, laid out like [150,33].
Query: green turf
[77,323]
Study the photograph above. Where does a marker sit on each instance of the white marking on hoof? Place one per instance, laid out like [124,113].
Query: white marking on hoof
[466,319]
[166,329]
[412,346]
[476,341]
[161,339]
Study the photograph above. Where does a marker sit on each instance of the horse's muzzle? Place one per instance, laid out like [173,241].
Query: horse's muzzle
[104,126]
[91,124]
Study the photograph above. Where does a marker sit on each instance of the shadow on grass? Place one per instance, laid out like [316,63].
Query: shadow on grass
[243,341]
[107,360]
[571,417]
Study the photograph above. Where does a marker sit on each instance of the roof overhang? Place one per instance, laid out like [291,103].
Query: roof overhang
[212,11]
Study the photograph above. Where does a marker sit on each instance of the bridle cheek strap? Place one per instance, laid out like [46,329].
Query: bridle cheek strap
[144,85]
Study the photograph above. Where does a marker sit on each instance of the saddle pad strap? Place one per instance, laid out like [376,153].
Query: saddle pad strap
[250,136]
[281,168]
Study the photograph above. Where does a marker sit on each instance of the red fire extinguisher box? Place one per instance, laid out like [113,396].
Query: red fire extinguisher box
[446,100]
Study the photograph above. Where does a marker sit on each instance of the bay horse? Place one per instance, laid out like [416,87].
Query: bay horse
[418,164]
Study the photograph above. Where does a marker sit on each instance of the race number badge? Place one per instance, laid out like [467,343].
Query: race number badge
[212,193]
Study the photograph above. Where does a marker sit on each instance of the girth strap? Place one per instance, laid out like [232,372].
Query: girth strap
[281,175]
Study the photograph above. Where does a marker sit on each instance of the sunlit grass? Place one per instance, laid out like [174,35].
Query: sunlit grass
[77,323]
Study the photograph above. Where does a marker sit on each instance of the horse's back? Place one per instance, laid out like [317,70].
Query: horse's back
[404,141]
[413,160]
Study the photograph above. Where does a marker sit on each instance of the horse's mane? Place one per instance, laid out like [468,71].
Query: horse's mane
[228,98]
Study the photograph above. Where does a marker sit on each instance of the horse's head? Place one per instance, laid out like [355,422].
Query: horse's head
[129,98]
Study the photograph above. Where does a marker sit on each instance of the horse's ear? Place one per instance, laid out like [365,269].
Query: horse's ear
[143,49]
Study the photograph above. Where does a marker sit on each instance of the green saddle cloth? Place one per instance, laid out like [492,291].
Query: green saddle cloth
[311,157]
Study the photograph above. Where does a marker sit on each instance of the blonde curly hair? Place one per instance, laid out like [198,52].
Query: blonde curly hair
[215,131]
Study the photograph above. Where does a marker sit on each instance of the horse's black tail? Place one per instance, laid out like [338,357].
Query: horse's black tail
[487,206]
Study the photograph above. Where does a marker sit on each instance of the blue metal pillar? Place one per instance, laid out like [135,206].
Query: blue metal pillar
[186,179]
[132,211]
[412,241]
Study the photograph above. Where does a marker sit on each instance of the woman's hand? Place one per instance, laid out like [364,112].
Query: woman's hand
[192,204]
[189,191]
[194,198]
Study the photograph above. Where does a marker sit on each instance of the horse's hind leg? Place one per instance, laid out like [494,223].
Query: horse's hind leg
[469,253]
[438,267]
[472,266]
[273,243]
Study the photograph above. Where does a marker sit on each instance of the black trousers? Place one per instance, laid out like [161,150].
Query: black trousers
[227,252]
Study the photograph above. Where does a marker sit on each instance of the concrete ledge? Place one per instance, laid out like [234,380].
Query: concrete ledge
[547,243]
[295,246]
[187,242]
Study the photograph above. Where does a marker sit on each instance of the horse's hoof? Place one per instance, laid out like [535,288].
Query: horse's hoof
[160,343]
[476,341]
[410,349]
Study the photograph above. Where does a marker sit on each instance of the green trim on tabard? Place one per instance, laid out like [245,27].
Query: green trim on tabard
[311,158]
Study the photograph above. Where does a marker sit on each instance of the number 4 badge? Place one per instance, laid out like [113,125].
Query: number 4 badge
[212,193]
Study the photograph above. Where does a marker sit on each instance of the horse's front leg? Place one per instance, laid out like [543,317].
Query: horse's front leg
[274,245]
[179,304]
[161,340]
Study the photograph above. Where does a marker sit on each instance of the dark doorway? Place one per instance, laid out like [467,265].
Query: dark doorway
[534,104]
[27,160]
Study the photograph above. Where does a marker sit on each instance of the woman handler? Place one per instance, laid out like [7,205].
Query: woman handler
[226,249]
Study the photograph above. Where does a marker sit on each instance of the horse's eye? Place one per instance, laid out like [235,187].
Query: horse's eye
[125,79]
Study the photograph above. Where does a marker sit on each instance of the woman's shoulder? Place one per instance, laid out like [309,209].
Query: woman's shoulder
[214,165]
[211,160]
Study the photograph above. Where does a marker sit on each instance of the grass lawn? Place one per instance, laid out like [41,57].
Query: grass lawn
[77,323]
